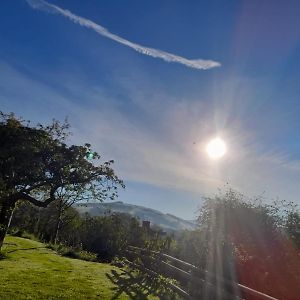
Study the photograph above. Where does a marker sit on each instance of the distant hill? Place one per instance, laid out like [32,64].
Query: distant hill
[167,222]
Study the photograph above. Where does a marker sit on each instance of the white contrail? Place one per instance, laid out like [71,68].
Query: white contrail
[169,57]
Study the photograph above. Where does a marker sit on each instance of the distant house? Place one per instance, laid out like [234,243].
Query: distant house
[146,225]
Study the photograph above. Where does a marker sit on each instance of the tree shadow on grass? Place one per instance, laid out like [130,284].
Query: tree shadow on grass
[33,248]
[136,285]
[2,255]
[132,285]
[10,244]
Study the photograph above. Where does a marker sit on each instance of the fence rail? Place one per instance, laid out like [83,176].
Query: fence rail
[190,278]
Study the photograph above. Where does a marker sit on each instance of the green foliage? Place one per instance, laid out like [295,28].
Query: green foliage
[36,161]
[88,256]
[245,240]
[106,236]
[64,250]
[292,225]
[37,165]
[22,233]
[14,231]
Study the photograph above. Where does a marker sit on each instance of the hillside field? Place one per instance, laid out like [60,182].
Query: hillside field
[31,271]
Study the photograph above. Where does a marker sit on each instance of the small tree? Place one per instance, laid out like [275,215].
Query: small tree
[293,227]
[246,241]
[37,165]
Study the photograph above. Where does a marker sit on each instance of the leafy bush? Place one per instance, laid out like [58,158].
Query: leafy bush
[16,232]
[29,236]
[22,233]
[72,252]
[88,256]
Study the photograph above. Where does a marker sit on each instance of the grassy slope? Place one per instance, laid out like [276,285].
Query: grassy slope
[39,273]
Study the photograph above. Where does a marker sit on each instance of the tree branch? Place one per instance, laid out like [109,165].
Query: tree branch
[26,197]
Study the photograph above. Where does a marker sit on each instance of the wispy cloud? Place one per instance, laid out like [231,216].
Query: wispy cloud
[156,53]
[161,158]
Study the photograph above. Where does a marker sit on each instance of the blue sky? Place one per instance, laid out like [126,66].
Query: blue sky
[155,117]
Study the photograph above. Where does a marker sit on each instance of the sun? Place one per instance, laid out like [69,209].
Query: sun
[216,148]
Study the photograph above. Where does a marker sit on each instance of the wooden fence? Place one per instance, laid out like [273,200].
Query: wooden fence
[193,283]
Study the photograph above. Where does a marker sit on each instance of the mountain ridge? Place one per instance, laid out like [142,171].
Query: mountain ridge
[166,221]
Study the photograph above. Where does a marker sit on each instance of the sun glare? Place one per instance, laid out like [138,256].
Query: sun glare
[216,148]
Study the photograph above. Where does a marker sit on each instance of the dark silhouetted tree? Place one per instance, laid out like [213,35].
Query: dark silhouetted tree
[37,165]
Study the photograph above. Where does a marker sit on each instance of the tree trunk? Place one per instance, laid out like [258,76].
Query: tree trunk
[57,226]
[58,221]
[10,218]
[37,224]
[7,207]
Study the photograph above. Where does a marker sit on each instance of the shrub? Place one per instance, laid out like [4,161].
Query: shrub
[29,236]
[15,231]
[72,252]
[88,256]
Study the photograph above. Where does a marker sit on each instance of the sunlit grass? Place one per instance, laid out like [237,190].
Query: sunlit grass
[31,271]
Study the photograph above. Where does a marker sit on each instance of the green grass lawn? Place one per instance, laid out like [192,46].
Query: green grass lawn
[31,271]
